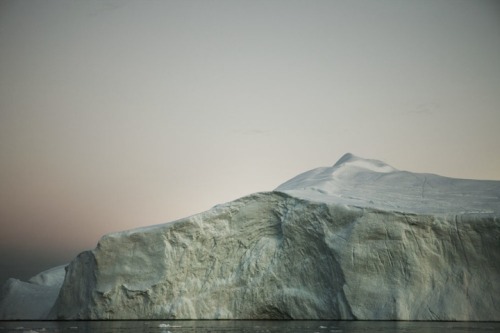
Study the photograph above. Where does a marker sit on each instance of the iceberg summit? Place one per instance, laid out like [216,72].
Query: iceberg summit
[356,241]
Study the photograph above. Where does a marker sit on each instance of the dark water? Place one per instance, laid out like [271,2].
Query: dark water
[250,326]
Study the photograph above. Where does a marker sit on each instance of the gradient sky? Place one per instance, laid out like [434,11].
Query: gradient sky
[119,114]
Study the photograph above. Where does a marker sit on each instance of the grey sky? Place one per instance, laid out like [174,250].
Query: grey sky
[117,114]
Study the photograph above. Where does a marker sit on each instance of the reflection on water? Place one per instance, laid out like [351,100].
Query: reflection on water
[249,326]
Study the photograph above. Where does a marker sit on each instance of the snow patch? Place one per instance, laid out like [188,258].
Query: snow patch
[350,160]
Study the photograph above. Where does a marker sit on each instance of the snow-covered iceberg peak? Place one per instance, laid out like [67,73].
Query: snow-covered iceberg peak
[326,180]
[352,161]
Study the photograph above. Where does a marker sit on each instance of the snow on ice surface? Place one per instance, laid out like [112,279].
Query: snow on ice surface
[359,182]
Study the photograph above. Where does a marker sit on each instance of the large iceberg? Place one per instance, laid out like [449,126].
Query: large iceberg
[359,240]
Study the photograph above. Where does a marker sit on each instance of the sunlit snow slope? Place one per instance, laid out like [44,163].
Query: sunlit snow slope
[362,182]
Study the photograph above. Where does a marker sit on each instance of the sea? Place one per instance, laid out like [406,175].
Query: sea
[249,326]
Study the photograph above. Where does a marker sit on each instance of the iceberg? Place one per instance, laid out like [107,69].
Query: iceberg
[359,240]
[33,299]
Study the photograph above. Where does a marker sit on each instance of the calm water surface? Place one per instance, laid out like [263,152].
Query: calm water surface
[250,326]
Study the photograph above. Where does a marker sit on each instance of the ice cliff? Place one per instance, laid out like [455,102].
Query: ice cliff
[359,240]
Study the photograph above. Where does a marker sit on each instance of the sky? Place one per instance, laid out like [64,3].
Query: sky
[117,114]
